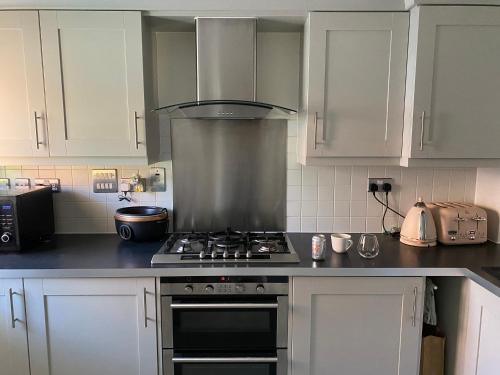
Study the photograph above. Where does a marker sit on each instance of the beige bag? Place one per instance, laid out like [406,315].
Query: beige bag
[432,360]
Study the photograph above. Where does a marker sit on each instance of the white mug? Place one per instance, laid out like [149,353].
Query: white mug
[341,242]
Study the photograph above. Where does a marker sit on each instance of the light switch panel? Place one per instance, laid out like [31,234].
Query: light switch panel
[105,180]
[54,183]
[157,180]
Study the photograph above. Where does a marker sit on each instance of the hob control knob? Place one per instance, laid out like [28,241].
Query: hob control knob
[188,289]
[202,254]
[214,254]
[225,254]
[249,254]
[260,289]
[236,254]
[209,289]
[5,237]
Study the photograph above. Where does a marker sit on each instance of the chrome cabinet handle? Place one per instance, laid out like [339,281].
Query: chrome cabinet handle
[38,143]
[225,359]
[137,142]
[13,319]
[322,141]
[144,295]
[197,306]
[422,132]
[414,316]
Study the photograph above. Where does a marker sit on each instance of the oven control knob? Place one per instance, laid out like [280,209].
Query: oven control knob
[260,289]
[239,288]
[249,254]
[236,254]
[209,289]
[225,254]
[202,254]
[188,289]
[5,237]
[214,254]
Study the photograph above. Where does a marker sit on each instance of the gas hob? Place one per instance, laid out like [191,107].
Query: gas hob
[226,247]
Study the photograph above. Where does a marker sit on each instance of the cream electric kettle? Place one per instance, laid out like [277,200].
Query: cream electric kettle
[418,228]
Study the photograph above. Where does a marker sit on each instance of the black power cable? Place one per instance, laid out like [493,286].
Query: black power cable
[386,206]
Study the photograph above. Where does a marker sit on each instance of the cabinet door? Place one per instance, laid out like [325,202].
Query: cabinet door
[482,356]
[92,326]
[453,87]
[13,338]
[22,102]
[356,77]
[361,326]
[94,82]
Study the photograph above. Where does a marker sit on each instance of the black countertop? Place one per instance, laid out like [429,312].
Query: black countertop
[105,255]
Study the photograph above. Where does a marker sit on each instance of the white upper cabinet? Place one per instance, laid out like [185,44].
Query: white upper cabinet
[94,83]
[23,127]
[453,86]
[92,326]
[13,334]
[353,88]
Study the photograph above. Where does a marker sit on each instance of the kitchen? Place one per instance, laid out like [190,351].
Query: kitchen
[250,127]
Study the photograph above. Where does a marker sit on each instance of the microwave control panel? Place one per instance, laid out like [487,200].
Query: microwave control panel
[7,225]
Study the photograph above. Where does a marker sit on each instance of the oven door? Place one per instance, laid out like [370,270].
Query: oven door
[224,364]
[225,323]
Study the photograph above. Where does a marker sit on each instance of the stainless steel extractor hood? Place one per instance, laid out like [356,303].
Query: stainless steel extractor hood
[226,74]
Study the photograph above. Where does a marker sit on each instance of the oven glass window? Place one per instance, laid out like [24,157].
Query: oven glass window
[225,369]
[224,329]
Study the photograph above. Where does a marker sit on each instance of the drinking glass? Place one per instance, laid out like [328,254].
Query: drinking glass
[368,246]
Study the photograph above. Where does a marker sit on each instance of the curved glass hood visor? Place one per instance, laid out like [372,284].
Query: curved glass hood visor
[226,74]
[227,109]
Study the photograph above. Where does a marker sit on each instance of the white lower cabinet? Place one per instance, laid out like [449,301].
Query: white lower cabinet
[356,326]
[482,355]
[13,338]
[92,326]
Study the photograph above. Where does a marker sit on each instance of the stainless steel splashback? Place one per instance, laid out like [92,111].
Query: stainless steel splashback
[229,173]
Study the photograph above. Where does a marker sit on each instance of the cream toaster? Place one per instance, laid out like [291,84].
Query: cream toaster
[459,223]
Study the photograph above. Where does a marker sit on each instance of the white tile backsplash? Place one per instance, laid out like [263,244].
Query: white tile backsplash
[336,199]
[78,209]
[322,199]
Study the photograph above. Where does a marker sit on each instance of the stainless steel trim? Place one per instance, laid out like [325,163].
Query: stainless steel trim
[13,319]
[145,307]
[247,288]
[198,306]
[422,226]
[422,132]
[414,316]
[38,143]
[225,359]
[137,142]
[167,334]
[282,322]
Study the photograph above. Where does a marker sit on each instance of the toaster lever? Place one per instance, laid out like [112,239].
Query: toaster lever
[478,218]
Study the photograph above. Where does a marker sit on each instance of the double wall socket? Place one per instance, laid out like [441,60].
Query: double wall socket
[381,184]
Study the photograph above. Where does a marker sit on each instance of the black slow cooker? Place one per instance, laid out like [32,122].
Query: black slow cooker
[141,223]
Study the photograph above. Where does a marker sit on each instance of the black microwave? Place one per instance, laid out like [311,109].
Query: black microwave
[26,217]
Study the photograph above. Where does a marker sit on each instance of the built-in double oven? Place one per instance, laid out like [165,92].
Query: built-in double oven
[224,325]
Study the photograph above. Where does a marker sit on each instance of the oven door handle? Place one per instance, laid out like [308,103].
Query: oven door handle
[198,306]
[225,359]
